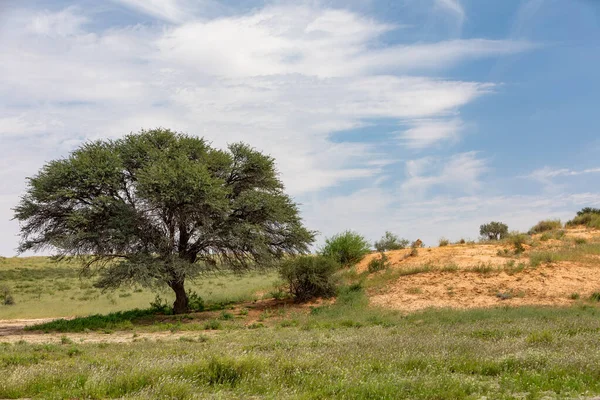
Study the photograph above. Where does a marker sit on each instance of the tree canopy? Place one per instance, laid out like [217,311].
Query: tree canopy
[160,207]
[494,230]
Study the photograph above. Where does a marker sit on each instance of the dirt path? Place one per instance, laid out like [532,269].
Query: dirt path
[12,331]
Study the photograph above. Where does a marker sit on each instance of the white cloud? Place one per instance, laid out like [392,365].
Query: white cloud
[425,133]
[459,173]
[546,173]
[548,176]
[67,22]
[281,78]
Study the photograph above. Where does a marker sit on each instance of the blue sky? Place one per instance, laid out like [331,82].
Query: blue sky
[423,117]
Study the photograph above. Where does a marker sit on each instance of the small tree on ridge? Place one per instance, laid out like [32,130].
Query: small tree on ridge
[494,230]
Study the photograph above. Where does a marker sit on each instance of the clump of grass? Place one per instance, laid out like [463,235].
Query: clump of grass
[6,296]
[278,293]
[482,268]
[444,242]
[540,337]
[414,290]
[580,241]
[518,240]
[595,296]
[449,268]
[545,226]
[213,324]
[65,340]
[503,253]
[226,316]
[574,296]
[379,263]
[543,257]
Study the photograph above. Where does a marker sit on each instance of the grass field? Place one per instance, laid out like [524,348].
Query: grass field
[274,349]
[42,288]
[345,351]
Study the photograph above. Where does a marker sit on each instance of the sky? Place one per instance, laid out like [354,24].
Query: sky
[426,118]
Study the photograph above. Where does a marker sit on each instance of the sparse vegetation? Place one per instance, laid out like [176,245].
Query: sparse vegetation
[444,242]
[494,230]
[308,277]
[390,241]
[378,263]
[589,217]
[518,240]
[346,248]
[545,226]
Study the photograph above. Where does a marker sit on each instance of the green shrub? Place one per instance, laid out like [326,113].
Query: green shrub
[517,240]
[346,248]
[379,263]
[494,230]
[444,242]
[580,241]
[545,226]
[308,277]
[195,302]
[390,242]
[6,296]
[590,219]
[595,296]
[575,296]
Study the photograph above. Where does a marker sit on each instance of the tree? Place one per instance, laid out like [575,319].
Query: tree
[159,208]
[390,242]
[346,248]
[494,230]
[588,210]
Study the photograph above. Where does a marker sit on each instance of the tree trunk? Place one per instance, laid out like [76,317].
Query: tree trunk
[181,300]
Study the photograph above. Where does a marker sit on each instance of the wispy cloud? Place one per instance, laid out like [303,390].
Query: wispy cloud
[425,133]
[173,11]
[459,173]
[452,6]
[547,174]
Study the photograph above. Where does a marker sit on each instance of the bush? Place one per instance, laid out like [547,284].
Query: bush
[390,242]
[588,210]
[379,263]
[346,248]
[545,226]
[494,230]
[6,296]
[444,242]
[587,216]
[518,240]
[308,277]
[195,302]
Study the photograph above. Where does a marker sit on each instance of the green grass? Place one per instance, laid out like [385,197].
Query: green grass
[347,350]
[584,253]
[62,292]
